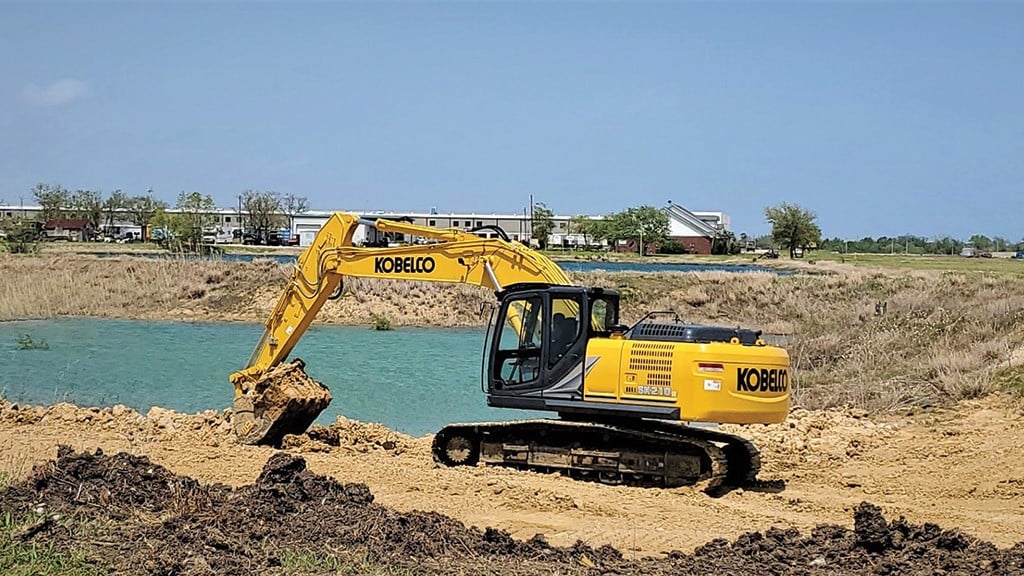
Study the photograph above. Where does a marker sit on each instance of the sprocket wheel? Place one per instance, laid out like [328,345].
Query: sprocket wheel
[460,450]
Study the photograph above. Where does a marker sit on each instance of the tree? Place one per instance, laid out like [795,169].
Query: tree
[793,227]
[116,202]
[55,200]
[196,214]
[88,204]
[264,209]
[725,242]
[643,224]
[981,242]
[142,210]
[581,224]
[292,206]
[542,223]
[21,236]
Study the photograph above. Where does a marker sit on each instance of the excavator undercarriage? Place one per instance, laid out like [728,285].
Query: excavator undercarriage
[634,453]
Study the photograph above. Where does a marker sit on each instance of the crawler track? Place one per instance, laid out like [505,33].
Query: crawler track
[640,453]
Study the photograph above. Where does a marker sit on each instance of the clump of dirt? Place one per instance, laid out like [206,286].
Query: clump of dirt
[155,522]
[350,435]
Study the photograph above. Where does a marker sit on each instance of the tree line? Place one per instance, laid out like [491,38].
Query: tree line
[909,244]
[193,217]
[641,227]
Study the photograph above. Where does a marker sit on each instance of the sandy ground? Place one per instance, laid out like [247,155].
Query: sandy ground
[960,468]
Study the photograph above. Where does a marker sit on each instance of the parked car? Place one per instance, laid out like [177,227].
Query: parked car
[1019,255]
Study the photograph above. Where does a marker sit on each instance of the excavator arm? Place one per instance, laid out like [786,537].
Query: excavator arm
[272,399]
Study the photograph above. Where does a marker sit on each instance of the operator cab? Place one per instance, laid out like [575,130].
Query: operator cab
[538,341]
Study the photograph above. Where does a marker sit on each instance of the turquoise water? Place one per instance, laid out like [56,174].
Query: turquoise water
[413,380]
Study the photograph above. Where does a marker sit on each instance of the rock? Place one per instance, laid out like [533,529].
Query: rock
[161,417]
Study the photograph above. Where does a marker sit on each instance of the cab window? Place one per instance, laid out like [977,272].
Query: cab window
[603,314]
[519,344]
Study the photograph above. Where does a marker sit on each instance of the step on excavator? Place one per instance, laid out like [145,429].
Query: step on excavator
[628,399]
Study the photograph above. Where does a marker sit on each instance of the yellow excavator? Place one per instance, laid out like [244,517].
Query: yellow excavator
[624,395]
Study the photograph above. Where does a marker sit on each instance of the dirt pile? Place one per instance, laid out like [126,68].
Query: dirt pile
[351,435]
[156,522]
[167,524]
[817,437]
[874,546]
[210,427]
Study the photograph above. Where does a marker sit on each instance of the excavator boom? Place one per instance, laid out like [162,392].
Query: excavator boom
[272,398]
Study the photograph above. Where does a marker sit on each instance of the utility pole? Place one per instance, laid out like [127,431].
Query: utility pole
[531,220]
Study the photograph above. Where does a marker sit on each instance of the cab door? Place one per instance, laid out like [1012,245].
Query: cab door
[518,346]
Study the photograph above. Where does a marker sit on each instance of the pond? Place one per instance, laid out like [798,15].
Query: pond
[414,380]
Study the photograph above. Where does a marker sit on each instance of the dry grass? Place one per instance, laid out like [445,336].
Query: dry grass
[942,335]
[75,285]
[139,287]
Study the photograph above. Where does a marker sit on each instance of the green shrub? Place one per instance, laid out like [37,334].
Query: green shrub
[27,342]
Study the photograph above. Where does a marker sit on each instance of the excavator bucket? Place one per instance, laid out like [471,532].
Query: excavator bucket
[284,400]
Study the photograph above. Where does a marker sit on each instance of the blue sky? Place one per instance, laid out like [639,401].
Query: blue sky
[882,118]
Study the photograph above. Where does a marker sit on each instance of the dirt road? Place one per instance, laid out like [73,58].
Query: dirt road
[959,468]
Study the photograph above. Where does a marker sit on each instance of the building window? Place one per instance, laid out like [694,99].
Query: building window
[561,225]
[455,222]
[227,218]
[479,223]
[431,222]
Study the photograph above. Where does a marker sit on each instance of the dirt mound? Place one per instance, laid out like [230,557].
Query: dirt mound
[168,524]
[874,546]
[350,435]
[816,438]
[209,427]
[155,522]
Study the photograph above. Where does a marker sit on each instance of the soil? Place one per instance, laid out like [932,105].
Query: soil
[960,469]
[156,522]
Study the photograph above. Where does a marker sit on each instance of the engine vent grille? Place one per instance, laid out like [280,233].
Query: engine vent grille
[678,332]
[655,360]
